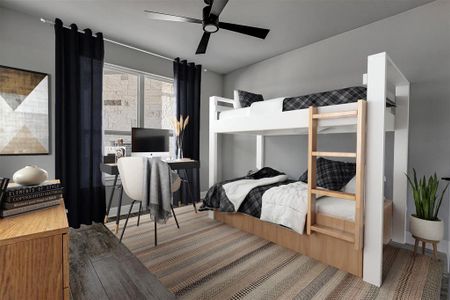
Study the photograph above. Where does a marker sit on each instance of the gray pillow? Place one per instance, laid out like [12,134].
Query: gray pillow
[246,98]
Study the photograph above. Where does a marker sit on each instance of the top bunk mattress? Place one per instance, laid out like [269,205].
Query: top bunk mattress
[268,107]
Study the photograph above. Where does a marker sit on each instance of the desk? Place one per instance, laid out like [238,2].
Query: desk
[112,169]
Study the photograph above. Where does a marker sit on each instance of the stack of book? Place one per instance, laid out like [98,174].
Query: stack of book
[20,199]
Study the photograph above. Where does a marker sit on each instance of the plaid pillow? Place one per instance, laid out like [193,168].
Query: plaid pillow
[246,98]
[332,174]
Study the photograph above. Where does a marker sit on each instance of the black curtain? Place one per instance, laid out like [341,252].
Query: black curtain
[78,129]
[187,85]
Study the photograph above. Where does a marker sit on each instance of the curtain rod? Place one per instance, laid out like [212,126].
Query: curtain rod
[117,43]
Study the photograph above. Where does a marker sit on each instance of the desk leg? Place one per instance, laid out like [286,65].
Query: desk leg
[110,198]
[118,209]
[190,190]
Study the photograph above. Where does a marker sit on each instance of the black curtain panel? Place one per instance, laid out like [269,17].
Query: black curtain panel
[78,128]
[187,85]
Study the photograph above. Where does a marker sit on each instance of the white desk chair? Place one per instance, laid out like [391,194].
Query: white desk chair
[131,170]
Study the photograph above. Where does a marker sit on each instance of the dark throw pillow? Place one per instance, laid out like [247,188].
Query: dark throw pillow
[332,174]
[246,98]
[263,173]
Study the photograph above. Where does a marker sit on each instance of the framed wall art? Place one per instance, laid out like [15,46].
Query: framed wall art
[24,112]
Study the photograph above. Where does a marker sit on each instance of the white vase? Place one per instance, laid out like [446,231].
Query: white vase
[30,175]
[425,229]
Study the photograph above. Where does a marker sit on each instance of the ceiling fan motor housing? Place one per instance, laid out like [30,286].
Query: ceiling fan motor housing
[210,21]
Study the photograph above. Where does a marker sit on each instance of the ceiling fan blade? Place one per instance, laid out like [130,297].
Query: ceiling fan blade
[248,30]
[166,17]
[203,43]
[217,7]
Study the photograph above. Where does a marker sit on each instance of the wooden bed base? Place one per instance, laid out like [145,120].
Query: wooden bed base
[327,249]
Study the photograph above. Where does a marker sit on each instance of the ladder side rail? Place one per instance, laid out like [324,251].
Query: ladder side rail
[312,145]
[360,167]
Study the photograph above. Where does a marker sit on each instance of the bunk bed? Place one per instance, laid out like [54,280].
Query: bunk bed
[355,243]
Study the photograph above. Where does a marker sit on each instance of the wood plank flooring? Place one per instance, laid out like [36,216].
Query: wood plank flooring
[102,268]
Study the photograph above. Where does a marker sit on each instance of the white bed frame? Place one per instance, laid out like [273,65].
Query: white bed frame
[383,79]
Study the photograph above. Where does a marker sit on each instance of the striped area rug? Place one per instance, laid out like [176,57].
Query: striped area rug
[205,259]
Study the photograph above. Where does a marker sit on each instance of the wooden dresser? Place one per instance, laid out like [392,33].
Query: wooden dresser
[34,255]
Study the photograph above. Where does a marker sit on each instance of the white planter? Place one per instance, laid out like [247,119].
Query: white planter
[30,175]
[428,230]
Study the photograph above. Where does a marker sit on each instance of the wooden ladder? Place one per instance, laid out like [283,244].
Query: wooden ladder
[359,155]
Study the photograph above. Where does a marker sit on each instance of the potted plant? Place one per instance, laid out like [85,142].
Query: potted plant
[425,223]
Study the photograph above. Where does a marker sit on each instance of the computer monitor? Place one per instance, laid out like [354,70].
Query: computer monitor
[150,142]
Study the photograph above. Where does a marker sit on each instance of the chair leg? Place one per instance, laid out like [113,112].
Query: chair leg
[156,235]
[126,221]
[139,213]
[174,216]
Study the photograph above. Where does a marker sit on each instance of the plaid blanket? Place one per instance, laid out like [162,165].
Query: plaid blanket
[216,197]
[253,202]
[342,96]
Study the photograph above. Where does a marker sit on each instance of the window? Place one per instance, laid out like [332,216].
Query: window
[120,105]
[134,99]
[159,103]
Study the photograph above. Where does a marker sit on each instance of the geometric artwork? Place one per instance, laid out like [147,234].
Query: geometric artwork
[24,122]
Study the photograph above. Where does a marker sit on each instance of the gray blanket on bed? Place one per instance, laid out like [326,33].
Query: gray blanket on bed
[159,189]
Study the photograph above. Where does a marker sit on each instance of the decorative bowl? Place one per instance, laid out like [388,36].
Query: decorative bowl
[30,175]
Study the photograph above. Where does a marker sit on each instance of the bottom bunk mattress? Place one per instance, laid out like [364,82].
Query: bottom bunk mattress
[282,202]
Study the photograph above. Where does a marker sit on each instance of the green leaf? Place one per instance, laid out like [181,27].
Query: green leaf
[425,193]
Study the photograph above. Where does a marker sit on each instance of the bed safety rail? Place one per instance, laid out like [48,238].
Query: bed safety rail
[359,155]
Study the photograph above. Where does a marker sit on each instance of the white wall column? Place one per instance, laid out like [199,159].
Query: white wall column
[213,143]
[374,187]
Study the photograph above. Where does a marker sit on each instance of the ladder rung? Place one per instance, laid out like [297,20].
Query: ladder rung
[336,115]
[336,194]
[339,234]
[334,154]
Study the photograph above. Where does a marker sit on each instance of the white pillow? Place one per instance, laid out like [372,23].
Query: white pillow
[350,187]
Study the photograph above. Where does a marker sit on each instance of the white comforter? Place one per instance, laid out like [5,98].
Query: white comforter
[286,205]
[236,191]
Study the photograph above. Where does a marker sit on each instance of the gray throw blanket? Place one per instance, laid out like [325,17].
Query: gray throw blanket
[159,189]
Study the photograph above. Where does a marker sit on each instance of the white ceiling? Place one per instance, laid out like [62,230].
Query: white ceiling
[293,24]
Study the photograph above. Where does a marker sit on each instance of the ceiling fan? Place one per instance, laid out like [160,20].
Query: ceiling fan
[211,23]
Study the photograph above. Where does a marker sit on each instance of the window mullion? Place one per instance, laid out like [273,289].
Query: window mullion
[140,106]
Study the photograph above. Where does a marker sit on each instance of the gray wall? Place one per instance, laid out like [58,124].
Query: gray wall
[419,43]
[27,43]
